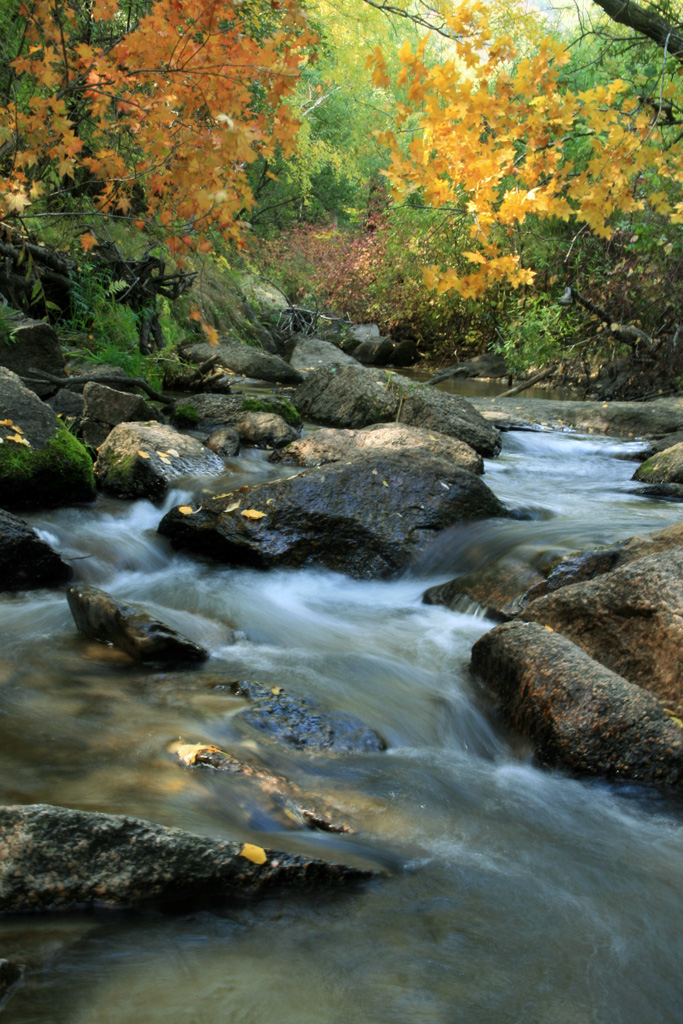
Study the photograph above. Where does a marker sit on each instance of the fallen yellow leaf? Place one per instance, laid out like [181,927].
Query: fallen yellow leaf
[18,439]
[18,429]
[187,752]
[162,454]
[143,455]
[186,510]
[673,718]
[252,513]
[232,507]
[276,690]
[6,423]
[256,854]
[174,453]
[550,629]
[384,483]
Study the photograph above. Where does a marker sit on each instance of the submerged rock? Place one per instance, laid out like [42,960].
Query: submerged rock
[129,627]
[365,518]
[576,713]
[330,445]
[25,559]
[54,858]
[354,397]
[41,464]
[143,460]
[297,722]
[499,590]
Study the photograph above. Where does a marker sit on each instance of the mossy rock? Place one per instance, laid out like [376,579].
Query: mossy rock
[186,415]
[58,473]
[280,406]
[664,467]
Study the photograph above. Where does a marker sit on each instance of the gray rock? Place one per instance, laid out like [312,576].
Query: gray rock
[363,332]
[307,353]
[67,403]
[488,364]
[623,419]
[25,559]
[104,408]
[128,627]
[576,713]
[245,360]
[224,442]
[254,427]
[299,723]
[143,460]
[32,344]
[330,445]
[354,397]
[54,858]
[41,463]
[363,517]
[374,351]
[9,975]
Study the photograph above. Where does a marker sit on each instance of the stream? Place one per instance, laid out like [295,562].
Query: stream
[505,894]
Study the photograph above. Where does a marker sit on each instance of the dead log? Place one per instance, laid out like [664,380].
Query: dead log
[111,381]
[529,383]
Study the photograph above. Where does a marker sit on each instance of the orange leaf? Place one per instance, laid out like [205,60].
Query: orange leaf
[256,854]
[252,513]
[88,241]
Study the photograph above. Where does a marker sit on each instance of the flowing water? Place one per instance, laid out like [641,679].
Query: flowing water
[505,894]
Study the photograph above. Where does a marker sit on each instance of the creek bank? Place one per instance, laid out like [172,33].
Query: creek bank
[25,559]
[128,627]
[624,419]
[362,518]
[354,397]
[577,714]
[54,858]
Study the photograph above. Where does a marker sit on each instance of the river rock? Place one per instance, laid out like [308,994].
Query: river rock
[488,364]
[54,858]
[143,460]
[354,397]
[405,353]
[374,351]
[128,627]
[665,467]
[629,619]
[362,332]
[498,590]
[224,442]
[331,445]
[104,408]
[41,463]
[9,975]
[246,360]
[576,713]
[257,421]
[365,518]
[32,345]
[299,723]
[307,353]
[25,559]
[624,419]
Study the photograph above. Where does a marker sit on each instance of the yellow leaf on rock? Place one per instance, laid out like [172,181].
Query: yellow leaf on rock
[673,718]
[18,439]
[6,423]
[143,455]
[186,510]
[252,513]
[256,854]
[276,690]
[550,629]
[18,430]
[187,752]
[174,453]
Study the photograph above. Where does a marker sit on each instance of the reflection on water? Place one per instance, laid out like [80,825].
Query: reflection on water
[505,894]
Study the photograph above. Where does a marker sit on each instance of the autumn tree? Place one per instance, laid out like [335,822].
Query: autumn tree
[151,110]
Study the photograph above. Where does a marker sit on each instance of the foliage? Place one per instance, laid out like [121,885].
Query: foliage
[151,110]
[279,406]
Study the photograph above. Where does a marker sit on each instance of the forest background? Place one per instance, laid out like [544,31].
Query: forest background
[472,176]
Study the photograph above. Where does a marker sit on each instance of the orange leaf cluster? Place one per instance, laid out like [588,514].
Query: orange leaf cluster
[165,115]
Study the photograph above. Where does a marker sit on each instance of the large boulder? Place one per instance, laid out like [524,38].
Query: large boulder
[575,712]
[307,353]
[129,627]
[54,858]
[362,517]
[41,463]
[105,407]
[331,445]
[265,422]
[297,722]
[245,360]
[143,460]
[354,397]
[25,559]
[629,619]
[31,345]
[374,351]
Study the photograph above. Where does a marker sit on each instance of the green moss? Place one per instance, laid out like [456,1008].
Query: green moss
[186,415]
[280,406]
[59,473]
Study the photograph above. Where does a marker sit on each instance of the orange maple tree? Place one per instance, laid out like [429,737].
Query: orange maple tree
[496,141]
[154,108]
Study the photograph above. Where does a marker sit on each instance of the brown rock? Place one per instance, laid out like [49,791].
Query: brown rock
[25,559]
[577,713]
